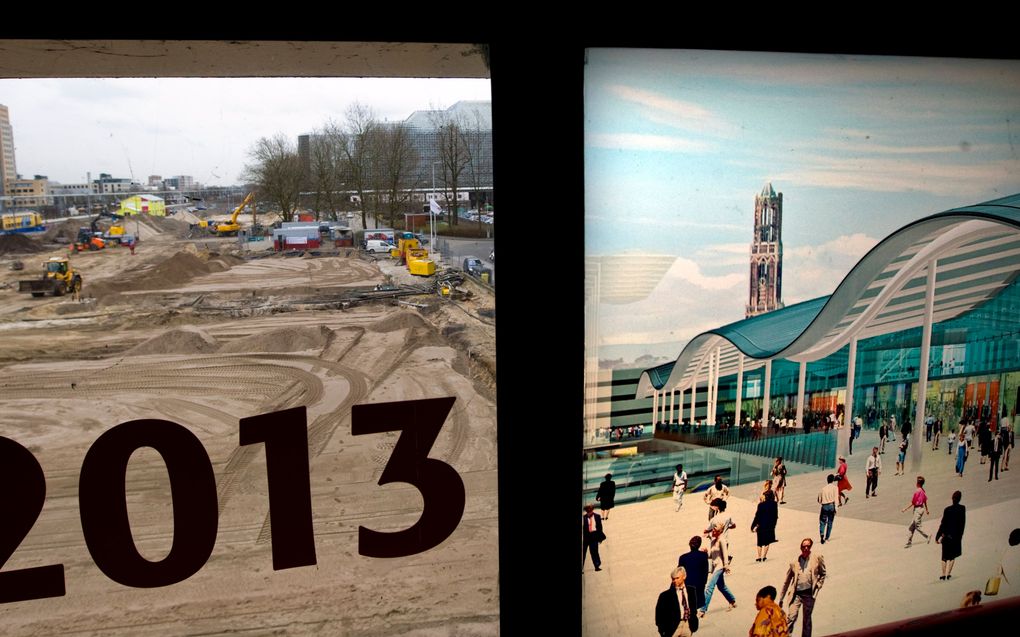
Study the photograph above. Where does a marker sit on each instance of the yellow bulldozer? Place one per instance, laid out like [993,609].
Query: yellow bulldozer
[58,278]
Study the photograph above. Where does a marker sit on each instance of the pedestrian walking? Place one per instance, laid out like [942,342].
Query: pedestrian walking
[673,610]
[679,486]
[961,453]
[994,453]
[919,502]
[984,440]
[882,431]
[607,496]
[936,434]
[770,620]
[950,534]
[764,524]
[779,480]
[1007,443]
[719,565]
[902,457]
[827,497]
[695,562]
[873,467]
[591,536]
[843,482]
[804,579]
[968,431]
[718,490]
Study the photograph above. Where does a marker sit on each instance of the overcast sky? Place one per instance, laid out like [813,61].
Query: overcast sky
[203,127]
[678,143]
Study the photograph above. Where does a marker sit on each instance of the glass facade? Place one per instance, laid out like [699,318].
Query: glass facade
[973,371]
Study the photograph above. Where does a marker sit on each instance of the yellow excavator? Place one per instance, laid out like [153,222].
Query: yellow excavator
[230,228]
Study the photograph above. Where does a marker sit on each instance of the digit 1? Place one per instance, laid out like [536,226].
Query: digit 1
[285,434]
[24,487]
[104,518]
[440,485]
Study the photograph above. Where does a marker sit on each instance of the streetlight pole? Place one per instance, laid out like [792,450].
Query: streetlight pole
[432,214]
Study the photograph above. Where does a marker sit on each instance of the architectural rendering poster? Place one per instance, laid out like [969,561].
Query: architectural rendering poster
[209,424]
[727,195]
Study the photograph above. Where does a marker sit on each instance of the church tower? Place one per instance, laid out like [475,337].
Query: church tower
[766,254]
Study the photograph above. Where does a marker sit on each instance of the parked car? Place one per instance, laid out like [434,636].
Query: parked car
[473,266]
[376,245]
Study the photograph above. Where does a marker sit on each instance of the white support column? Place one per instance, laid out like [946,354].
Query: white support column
[917,430]
[767,395]
[843,443]
[740,385]
[800,394]
[655,408]
[672,399]
[715,387]
[709,411]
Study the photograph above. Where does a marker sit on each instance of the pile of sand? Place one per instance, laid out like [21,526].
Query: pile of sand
[183,340]
[287,339]
[178,269]
[224,262]
[19,244]
[402,320]
[170,225]
[184,216]
[63,230]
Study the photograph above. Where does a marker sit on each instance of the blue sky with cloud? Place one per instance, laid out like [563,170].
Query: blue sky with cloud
[677,144]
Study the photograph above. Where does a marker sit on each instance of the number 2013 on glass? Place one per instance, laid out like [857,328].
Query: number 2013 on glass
[103,505]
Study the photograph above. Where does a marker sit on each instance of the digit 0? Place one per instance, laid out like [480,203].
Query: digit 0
[104,517]
[24,491]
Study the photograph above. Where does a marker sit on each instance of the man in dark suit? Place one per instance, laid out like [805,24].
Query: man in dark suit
[695,562]
[675,612]
[591,534]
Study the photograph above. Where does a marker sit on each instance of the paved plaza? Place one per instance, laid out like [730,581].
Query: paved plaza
[871,578]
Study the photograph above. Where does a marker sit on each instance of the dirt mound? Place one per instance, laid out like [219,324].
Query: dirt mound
[19,244]
[402,320]
[184,340]
[178,269]
[223,262]
[287,339]
[172,225]
[66,230]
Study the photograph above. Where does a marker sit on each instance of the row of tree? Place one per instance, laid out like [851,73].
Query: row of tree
[379,163]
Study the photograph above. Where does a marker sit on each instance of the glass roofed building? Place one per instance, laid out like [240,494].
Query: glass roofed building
[927,324]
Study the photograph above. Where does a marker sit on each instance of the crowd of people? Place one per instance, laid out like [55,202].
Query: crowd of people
[705,567]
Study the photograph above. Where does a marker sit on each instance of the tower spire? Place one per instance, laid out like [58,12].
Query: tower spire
[766,271]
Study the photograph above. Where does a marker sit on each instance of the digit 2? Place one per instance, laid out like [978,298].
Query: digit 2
[24,486]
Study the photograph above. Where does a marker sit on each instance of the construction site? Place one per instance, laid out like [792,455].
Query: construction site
[183,325]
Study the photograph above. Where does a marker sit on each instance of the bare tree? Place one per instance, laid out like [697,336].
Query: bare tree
[355,140]
[396,169]
[327,170]
[453,158]
[479,158]
[276,172]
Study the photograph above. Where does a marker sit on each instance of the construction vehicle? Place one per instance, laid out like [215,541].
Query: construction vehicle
[231,227]
[58,279]
[415,257]
[88,240]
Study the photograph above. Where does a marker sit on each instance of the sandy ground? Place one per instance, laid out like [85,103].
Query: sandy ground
[185,331]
